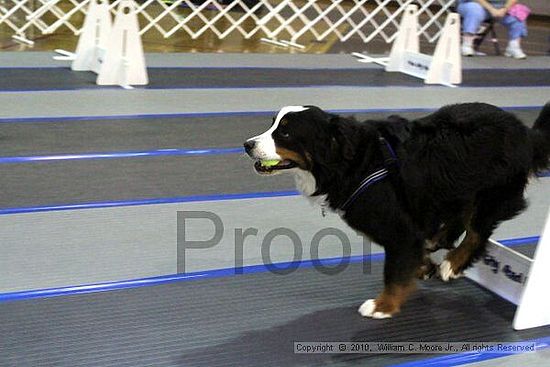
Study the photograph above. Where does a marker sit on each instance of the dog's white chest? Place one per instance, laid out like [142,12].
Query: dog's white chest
[305,182]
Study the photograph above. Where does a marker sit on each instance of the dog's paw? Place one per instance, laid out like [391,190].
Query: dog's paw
[368,309]
[446,271]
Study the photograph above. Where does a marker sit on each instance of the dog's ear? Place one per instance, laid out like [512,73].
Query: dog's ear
[342,138]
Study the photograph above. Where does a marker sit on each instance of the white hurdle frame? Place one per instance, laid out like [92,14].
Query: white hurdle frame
[518,279]
[113,50]
[444,67]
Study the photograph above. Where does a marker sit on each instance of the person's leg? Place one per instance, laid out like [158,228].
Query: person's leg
[472,15]
[516,30]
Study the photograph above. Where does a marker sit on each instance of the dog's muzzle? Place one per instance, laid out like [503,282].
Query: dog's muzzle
[249,146]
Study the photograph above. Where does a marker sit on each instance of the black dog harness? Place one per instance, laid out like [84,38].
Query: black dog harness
[390,160]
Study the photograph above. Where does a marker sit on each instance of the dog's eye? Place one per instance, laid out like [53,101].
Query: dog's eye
[284,134]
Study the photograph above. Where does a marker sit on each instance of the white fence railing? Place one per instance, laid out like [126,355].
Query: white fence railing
[294,21]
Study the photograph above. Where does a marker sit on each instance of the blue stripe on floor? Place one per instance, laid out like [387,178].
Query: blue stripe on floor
[167,279]
[45,119]
[153,201]
[263,87]
[252,269]
[42,119]
[114,155]
[443,361]
[168,152]
[473,357]
[170,200]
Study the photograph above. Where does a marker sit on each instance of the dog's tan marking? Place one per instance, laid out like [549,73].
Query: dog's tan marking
[393,296]
[435,244]
[389,302]
[459,256]
[293,156]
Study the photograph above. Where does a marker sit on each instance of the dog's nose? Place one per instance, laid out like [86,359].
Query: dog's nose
[249,146]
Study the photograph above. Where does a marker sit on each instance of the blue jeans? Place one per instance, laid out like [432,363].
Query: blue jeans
[473,14]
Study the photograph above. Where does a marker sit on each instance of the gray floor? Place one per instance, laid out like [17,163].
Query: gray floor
[116,102]
[40,79]
[136,242]
[62,248]
[249,320]
[136,178]
[101,245]
[146,133]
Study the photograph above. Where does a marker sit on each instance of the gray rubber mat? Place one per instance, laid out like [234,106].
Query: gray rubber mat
[49,183]
[247,320]
[131,134]
[120,102]
[33,79]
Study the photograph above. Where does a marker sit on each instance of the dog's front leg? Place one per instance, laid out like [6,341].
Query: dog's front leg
[400,269]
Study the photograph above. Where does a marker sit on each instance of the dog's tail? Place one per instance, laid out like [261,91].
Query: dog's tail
[541,140]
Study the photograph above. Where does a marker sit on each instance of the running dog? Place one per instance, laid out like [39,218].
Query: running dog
[411,186]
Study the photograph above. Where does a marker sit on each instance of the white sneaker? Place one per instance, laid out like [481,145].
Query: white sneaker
[467,50]
[515,52]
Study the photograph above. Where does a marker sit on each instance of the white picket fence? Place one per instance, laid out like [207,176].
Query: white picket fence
[287,20]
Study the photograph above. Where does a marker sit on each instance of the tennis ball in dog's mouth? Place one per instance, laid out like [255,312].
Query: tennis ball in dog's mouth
[270,162]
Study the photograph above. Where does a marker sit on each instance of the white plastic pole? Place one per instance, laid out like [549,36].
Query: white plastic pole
[93,40]
[124,62]
[534,307]
[407,39]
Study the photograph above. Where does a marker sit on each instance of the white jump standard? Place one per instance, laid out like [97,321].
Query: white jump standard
[114,52]
[444,67]
[518,279]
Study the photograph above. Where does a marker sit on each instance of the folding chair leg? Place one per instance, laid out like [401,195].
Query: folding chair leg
[494,40]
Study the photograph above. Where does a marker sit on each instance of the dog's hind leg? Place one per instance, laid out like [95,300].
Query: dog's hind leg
[459,258]
[492,207]
[447,235]
[445,238]
[427,269]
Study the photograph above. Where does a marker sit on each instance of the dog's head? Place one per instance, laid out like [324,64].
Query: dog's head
[292,141]
[302,137]
[321,148]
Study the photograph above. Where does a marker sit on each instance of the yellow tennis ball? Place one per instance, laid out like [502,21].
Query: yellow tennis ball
[270,163]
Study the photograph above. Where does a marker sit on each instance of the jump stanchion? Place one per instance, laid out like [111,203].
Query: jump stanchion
[444,67]
[124,62]
[518,279]
[92,42]
[407,40]
[113,51]
[534,307]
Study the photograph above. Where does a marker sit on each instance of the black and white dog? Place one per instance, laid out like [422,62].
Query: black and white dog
[411,186]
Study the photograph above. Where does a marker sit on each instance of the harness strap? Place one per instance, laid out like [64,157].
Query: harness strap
[372,178]
[390,160]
